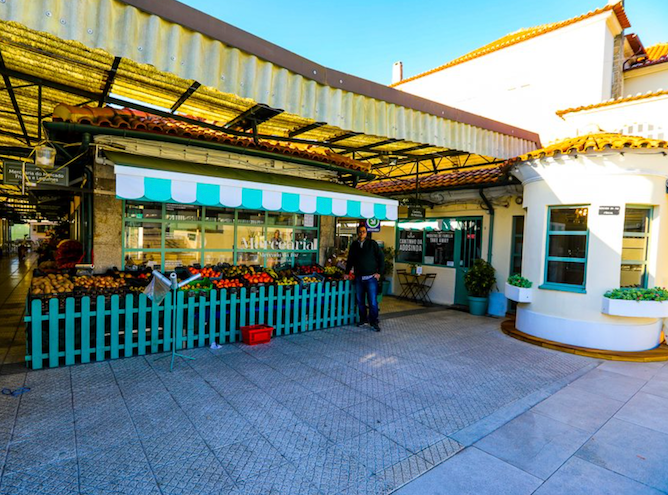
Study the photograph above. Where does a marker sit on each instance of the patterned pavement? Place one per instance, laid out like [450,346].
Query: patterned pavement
[340,411]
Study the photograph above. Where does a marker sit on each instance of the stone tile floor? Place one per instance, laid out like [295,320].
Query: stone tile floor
[346,410]
[605,433]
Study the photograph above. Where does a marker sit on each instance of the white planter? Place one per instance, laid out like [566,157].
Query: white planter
[518,294]
[635,309]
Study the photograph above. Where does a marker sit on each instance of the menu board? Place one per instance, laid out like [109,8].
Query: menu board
[439,248]
[410,246]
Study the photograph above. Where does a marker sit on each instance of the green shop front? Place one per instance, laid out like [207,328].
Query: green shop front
[171,215]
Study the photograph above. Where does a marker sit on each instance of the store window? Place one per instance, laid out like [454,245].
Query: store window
[177,235]
[567,240]
[635,245]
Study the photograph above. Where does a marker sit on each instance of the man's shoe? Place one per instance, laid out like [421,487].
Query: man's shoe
[360,323]
[376,327]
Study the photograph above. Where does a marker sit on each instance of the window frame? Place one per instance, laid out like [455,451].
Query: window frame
[202,224]
[646,236]
[580,289]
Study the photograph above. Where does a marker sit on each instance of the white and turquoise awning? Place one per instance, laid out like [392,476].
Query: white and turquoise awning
[169,181]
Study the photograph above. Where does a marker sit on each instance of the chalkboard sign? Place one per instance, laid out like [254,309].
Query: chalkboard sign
[410,246]
[439,248]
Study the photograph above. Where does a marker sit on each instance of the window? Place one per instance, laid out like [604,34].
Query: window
[635,244]
[173,235]
[517,246]
[567,240]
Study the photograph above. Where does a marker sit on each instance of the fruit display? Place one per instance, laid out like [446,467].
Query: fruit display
[286,280]
[258,278]
[310,280]
[104,284]
[206,272]
[227,283]
[333,273]
[309,269]
[48,267]
[51,284]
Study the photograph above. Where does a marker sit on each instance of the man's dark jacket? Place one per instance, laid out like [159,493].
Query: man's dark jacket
[367,259]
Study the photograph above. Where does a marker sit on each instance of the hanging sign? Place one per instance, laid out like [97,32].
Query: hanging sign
[416,212]
[373,225]
[13,173]
[309,220]
[609,210]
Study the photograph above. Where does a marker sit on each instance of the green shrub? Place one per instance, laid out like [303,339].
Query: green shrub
[480,279]
[519,281]
[655,294]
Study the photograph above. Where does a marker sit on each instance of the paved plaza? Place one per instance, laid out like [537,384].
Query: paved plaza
[345,410]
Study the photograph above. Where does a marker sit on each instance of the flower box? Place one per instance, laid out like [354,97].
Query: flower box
[635,309]
[518,294]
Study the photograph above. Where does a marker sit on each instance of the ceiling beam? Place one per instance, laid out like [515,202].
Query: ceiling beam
[367,147]
[15,103]
[253,117]
[342,137]
[188,93]
[306,128]
[111,76]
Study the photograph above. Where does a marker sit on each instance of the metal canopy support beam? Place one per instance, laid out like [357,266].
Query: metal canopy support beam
[399,152]
[253,117]
[39,112]
[306,128]
[111,75]
[342,137]
[15,104]
[443,170]
[374,145]
[193,87]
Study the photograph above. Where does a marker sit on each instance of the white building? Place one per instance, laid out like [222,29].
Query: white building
[582,216]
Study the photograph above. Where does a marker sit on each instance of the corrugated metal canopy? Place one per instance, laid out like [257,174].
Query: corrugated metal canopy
[108,51]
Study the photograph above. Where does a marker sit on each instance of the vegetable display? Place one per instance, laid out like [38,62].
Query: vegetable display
[51,284]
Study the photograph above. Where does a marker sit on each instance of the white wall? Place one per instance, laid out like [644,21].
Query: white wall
[608,179]
[646,79]
[647,117]
[525,84]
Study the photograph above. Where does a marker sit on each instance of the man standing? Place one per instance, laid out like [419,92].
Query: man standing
[366,258]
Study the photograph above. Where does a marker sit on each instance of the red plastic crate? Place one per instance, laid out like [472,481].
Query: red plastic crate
[256,334]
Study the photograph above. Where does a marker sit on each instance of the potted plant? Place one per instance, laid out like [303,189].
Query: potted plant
[518,289]
[636,303]
[479,281]
[386,278]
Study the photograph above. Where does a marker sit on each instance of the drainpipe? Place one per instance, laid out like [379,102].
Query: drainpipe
[87,203]
[490,209]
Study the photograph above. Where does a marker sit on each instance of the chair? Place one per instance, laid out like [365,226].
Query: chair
[422,289]
[407,286]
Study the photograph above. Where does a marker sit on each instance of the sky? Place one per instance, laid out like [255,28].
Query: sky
[365,37]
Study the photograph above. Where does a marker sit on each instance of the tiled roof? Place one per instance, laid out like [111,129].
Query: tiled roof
[524,35]
[656,54]
[145,122]
[644,96]
[471,177]
[593,143]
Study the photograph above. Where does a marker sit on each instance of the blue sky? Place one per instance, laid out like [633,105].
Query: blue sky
[365,37]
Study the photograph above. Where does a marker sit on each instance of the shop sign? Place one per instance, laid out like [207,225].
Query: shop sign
[416,212]
[263,245]
[309,220]
[609,210]
[410,246]
[13,174]
[373,225]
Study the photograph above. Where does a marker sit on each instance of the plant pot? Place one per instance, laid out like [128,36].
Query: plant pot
[518,294]
[386,287]
[635,309]
[478,306]
[379,297]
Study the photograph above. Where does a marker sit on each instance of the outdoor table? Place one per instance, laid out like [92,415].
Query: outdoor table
[416,287]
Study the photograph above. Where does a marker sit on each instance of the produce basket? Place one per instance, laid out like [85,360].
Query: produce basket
[256,334]
[314,278]
[231,284]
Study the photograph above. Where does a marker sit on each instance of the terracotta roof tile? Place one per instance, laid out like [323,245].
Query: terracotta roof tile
[458,178]
[145,122]
[650,94]
[593,143]
[524,35]
[656,54]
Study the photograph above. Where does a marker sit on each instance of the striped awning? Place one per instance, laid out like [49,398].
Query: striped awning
[288,194]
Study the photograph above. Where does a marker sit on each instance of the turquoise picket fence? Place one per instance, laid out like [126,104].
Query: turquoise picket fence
[82,330]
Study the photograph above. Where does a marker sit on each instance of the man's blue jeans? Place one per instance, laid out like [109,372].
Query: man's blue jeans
[367,289]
